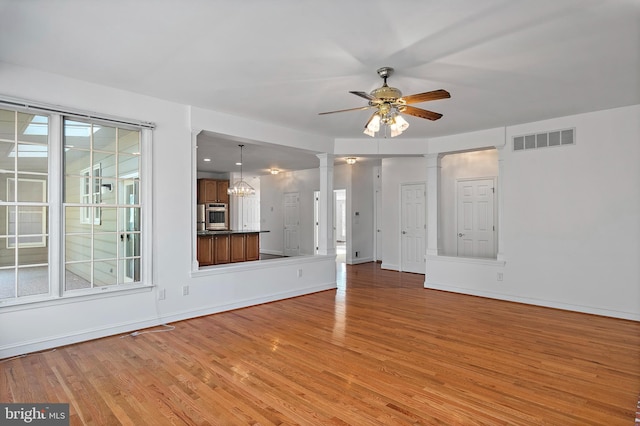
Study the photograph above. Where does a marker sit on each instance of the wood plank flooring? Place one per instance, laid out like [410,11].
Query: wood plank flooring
[380,350]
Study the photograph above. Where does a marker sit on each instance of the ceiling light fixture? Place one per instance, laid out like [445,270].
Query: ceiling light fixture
[274,171]
[241,188]
[389,116]
[351,160]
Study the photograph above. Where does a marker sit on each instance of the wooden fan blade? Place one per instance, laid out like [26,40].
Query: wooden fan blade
[345,110]
[422,113]
[426,96]
[363,95]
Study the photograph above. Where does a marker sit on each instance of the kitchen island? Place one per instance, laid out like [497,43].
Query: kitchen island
[228,246]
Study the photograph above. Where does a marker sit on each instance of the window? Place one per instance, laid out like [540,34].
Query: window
[80,189]
[102,219]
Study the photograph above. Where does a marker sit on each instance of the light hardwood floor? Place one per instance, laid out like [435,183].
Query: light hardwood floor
[379,350]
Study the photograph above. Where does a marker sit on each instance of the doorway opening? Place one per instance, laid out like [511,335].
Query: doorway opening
[476,218]
[469,204]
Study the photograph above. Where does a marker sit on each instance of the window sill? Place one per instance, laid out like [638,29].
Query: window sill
[467,260]
[80,296]
[228,268]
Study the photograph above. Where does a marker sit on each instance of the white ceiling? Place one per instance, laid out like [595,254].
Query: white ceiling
[284,61]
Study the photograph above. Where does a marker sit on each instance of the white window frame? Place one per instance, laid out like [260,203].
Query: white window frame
[55,179]
[90,193]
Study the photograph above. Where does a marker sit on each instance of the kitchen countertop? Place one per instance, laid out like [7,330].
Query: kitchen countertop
[231,231]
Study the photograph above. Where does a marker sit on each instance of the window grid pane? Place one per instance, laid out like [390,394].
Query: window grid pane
[24,209]
[102,211]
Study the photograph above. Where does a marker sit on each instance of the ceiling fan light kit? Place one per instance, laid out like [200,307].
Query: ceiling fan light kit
[389,103]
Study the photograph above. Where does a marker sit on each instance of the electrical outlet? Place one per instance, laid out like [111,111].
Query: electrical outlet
[299,273]
[185,290]
[357,254]
[500,276]
[162,294]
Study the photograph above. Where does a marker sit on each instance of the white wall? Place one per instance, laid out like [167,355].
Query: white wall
[41,325]
[571,233]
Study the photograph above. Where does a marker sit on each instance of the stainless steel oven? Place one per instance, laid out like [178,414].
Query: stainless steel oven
[216,216]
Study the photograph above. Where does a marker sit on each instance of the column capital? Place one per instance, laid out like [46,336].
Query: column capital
[325,157]
[433,160]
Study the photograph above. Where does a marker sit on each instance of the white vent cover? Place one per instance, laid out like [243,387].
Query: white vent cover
[544,140]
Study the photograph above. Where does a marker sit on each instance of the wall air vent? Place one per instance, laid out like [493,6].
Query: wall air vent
[544,140]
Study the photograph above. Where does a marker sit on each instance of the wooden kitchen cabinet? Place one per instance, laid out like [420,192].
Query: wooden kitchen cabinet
[213,250]
[221,252]
[228,248]
[213,191]
[237,247]
[221,190]
[252,246]
[205,250]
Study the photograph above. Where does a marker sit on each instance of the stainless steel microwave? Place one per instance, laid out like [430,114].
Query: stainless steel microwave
[216,216]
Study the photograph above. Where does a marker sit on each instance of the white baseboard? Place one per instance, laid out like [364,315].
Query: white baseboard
[356,261]
[273,252]
[390,266]
[537,302]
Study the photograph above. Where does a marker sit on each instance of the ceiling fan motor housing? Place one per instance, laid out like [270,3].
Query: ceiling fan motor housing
[386,93]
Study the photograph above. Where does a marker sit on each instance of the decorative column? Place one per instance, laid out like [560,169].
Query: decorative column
[434,243]
[194,198]
[500,249]
[326,240]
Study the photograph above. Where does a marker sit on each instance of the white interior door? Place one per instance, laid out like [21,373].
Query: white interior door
[413,228]
[475,205]
[250,212]
[291,224]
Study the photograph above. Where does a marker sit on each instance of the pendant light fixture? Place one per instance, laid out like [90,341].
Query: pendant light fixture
[241,188]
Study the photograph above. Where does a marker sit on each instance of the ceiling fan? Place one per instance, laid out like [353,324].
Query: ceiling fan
[389,103]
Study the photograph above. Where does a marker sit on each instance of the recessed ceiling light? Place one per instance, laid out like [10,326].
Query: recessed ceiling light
[238,164]
[206,159]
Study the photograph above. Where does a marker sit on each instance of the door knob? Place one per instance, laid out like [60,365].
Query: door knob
[461,235]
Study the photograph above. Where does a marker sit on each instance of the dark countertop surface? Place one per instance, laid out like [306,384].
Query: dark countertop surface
[232,231]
